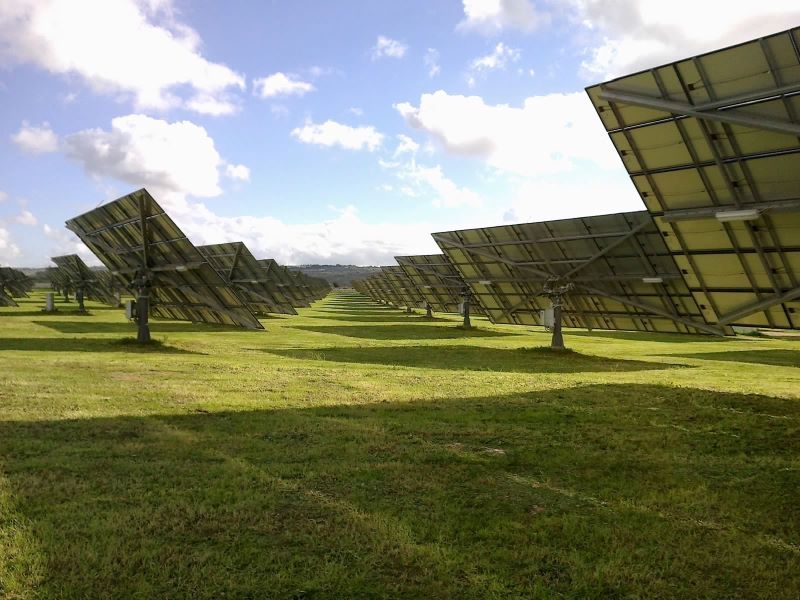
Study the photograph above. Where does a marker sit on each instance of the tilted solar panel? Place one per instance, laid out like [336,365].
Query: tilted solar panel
[286,282]
[438,282]
[254,284]
[15,282]
[80,276]
[712,144]
[618,272]
[140,244]
[403,287]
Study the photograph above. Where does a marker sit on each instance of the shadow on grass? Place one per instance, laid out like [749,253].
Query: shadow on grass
[88,345]
[475,358]
[404,332]
[597,491]
[401,317]
[155,327]
[647,336]
[775,357]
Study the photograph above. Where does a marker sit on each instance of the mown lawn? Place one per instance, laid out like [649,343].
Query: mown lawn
[355,451]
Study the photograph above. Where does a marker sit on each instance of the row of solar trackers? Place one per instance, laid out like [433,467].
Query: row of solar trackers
[712,146]
[146,254]
[13,284]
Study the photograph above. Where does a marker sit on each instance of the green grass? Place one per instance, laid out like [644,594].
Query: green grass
[354,451]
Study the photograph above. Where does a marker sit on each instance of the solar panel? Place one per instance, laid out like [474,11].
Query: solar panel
[85,280]
[613,271]
[284,280]
[254,284]
[437,280]
[15,282]
[403,288]
[712,144]
[145,250]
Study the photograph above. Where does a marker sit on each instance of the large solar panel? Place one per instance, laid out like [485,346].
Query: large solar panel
[80,276]
[254,284]
[402,286]
[136,239]
[438,282]
[380,290]
[712,144]
[619,273]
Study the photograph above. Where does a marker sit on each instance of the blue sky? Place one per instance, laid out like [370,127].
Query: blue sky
[326,132]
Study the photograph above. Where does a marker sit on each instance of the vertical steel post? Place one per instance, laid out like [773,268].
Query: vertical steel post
[467,323]
[79,299]
[429,311]
[557,343]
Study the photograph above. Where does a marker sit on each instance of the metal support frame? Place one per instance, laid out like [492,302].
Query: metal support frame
[760,305]
[712,112]
[467,295]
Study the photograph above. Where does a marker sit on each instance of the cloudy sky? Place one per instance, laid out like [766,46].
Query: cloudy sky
[327,132]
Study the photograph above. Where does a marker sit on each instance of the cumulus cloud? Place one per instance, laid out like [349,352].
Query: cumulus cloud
[547,134]
[237,172]
[36,139]
[174,159]
[387,47]
[119,47]
[405,146]
[498,59]
[63,241]
[280,84]
[330,133]
[490,17]
[634,34]
[428,182]
[26,217]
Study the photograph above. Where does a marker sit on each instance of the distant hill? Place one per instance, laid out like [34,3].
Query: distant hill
[340,275]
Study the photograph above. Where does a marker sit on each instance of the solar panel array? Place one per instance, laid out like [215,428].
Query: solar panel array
[285,281]
[620,273]
[256,285]
[711,144]
[77,275]
[437,281]
[139,242]
[402,287]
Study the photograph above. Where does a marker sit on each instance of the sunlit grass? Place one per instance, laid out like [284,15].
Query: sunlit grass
[356,451]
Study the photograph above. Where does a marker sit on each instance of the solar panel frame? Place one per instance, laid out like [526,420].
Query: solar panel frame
[17,284]
[134,236]
[254,284]
[404,289]
[284,280]
[719,133]
[621,273]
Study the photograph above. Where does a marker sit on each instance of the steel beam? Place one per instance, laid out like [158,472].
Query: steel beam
[709,114]
[765,303]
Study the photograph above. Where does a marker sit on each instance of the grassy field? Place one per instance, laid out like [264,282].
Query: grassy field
[354,451]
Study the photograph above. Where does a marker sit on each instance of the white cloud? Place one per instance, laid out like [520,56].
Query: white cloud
[387,47]
[8,249]
[330,133]
[492,16]
[237,172]
[280,84]
[35,139]
[171,159]
[63,241]
[26,217]
[129,47]
[431,61]
[406,145]
[346,239]
[3,197]
[497,59]
[548,134]
[430,183]
[635,34]
[354,110]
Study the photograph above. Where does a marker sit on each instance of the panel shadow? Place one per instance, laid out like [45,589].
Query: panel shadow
[475,358]
[775,357]
[86,345]
[404,332]
[130,328]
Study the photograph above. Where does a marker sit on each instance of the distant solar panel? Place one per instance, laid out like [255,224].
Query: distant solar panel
[403,288]
[254,284]
[286,282]
[15,282]
[616,270]
[438,281]
[85,280]
[712,145]
[146,250]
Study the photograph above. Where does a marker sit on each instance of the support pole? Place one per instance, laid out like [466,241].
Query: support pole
[467,323]
[408,310]
[79,299]
[429,311]
[557,343]
[66,294]
[143,309]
